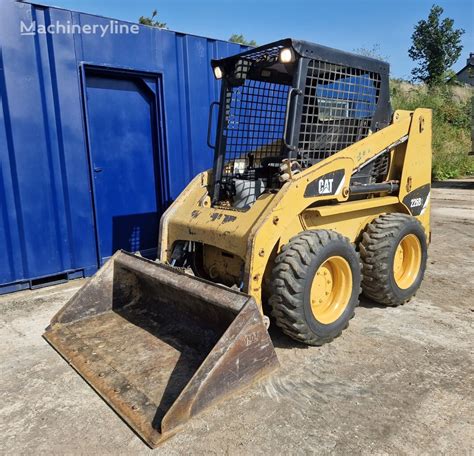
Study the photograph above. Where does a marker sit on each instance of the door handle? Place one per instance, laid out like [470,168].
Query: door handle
[209,124]
[293,93]
[97,169]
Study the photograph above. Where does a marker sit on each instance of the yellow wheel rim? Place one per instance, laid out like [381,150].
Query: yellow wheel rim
[407,261]
[331,289]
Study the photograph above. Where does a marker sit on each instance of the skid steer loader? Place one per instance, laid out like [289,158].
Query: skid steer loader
[318,192]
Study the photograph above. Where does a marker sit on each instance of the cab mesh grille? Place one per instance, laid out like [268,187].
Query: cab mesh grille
[338,106]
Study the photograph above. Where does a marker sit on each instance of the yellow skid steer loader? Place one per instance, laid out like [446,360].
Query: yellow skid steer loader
[318,192]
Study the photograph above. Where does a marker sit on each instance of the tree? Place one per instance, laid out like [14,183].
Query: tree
[436,47]
[151,21]
[241,40]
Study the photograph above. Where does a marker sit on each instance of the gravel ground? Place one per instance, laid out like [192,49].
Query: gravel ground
[398,381]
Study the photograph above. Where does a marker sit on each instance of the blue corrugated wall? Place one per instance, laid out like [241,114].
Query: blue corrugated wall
[47,224]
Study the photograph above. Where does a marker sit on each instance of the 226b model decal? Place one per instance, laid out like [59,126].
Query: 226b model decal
[417,200]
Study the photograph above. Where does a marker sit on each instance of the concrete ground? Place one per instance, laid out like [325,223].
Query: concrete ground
[398,381]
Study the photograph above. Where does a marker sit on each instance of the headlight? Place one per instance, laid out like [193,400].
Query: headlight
[286,55]
[218,73]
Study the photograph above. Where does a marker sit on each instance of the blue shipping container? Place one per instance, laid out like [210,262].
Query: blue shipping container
[98,133]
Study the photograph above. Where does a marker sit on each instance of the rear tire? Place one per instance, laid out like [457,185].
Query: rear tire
[393,252]
[315,286]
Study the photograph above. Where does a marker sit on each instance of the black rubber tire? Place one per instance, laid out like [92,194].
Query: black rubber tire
[377,250]
[291,281]
[197,263]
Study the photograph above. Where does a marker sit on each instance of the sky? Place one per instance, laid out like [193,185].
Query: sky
[342,24]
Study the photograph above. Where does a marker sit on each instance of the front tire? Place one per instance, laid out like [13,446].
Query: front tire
[393,252]
[315,286]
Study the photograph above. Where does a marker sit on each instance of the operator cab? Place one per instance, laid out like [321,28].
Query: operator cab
[288,105]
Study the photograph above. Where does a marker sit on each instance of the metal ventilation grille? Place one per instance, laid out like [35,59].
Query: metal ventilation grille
[268,55]
[381,166]
[338,106]
[254,126]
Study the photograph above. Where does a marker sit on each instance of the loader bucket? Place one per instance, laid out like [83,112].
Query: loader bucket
[160,345]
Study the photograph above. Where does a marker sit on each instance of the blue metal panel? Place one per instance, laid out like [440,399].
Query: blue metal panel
[47,221]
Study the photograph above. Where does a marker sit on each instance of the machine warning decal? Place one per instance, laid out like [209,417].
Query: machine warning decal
[328,184]
[417,200]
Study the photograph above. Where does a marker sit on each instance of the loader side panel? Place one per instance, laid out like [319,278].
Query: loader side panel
[415,181]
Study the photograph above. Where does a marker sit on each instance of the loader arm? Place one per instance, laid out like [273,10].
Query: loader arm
[253,235]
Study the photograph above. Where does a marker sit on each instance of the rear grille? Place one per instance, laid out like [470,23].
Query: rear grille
[338,105]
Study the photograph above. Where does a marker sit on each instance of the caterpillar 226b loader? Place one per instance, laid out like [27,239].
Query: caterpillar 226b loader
[318,192]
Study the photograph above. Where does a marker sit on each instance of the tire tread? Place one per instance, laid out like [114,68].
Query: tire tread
[374,250]
[288,284]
